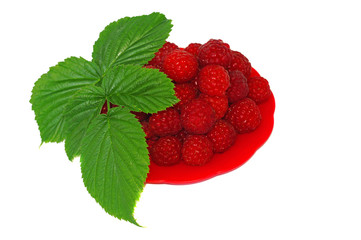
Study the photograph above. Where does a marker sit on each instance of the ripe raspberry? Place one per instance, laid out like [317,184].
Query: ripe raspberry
[141,116]
[193,48]
[218,103]
[219,41]
[241,63]
[104,109]
[158,59]
[194,82]
[150,143]
[166,122]
[259,90]
[239,88]
[244,115]
[185,92]
[113,105]
[180,66]
[214,52]
[166,151]
[150,66]
[197,150]
[197,117]
[222,135]
[213,80]
[148,132]
[181,135]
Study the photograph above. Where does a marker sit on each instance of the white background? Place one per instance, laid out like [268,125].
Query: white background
[304,183]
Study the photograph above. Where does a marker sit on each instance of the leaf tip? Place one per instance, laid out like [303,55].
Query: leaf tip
[134,221]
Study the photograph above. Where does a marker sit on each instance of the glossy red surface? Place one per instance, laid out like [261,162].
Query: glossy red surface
[246,145]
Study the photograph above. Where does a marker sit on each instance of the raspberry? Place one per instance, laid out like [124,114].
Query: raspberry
[182,135]
[181,66]
[185,92]
[222,135]
[148,132]
[166,151]
[141,116]
[213,80]
[239,88]
[214,52]
[150,66]
[113,105]
[150,143]
[218,103]
[194,82]
[193,48]
[158,59]
[197,117]
[104,109]
[244,115]
[197,150]
[241,63]
[219,41]
[259,90]
[166,122]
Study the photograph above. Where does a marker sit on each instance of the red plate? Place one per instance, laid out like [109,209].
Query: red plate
[243,149]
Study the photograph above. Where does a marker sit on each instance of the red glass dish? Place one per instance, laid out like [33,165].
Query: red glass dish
[243,149]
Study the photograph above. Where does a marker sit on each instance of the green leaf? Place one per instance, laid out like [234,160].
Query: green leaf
[67,101]
[54,89]
[131,40]
[114,162]
[139,89]
[85,105]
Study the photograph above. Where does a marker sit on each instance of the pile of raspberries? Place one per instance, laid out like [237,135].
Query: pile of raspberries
[218,100]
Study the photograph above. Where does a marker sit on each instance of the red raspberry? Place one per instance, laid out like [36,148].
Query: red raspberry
[213,80]
[141,116]
[185,92]
[180,66]
[239,88]
[241,63]
[166,122]
[197,150]
[166,151]
[182,135]
[219,41]
[244,115]
[148,132]
[104,109]
[150,66]
[150,143]
[194,82]
[218,103]
[193,48]
[259,90]
[222,135]
[214,52]
[158,59]
[197,117]
[113,105]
